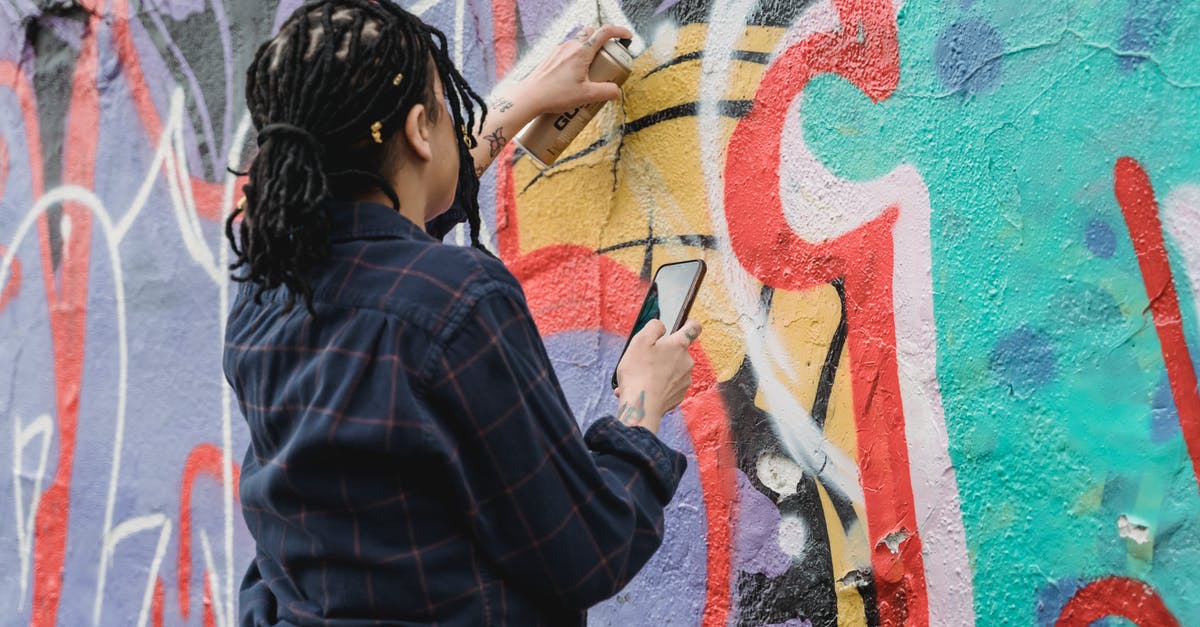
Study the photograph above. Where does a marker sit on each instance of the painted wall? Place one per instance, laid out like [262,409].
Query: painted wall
[946,377]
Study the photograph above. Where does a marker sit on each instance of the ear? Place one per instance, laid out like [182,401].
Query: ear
[416,132]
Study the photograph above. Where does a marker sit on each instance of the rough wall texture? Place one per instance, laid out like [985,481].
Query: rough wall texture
[954,253]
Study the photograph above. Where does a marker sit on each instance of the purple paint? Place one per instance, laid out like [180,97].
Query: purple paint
[1164,417]
[1053,598]
[1024,360]
[180,10]
[665,5]
[536,17]
[1101,239]
[757,541]
[1146,21]
[681,564]
[968,56]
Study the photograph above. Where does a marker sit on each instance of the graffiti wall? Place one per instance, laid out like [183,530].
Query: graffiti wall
[948,374]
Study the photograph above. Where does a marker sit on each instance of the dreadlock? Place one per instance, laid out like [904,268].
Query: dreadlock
[336,81]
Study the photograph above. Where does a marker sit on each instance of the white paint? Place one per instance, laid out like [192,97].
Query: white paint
[780,474]
[171,161]
[1133,529]
[228,607]
[894,539]
[802,440]
[662,44]
[420,8]
[818,205]
[1181,221]
[41,427]
[577,13]
[793,534]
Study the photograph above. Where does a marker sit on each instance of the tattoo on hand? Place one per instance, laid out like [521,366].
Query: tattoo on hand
[691,335]
[633,414]
[502,104]
[496,141]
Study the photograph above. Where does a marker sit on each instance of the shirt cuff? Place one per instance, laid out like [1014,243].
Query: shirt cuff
[663,465]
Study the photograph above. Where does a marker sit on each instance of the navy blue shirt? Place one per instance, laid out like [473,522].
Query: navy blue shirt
[412,458]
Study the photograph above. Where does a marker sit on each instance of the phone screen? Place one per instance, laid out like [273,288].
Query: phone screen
[669,299]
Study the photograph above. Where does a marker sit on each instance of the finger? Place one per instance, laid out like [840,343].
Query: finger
[597,92]
[689,332]
[604,33]
[650,333]
[611,31]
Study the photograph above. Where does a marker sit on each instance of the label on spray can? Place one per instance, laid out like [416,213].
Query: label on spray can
[549,134]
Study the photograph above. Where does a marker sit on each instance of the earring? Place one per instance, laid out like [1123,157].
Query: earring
[377,132]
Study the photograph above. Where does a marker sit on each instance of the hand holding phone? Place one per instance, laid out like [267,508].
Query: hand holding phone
[669,299]
[655,369]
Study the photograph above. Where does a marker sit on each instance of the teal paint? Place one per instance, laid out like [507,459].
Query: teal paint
[1052,374]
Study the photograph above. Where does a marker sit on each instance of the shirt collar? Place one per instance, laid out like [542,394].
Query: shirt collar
[350,220]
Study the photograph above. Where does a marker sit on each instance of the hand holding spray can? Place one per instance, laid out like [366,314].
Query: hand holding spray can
[549,134]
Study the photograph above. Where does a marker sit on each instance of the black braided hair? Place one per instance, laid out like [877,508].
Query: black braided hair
[314,92]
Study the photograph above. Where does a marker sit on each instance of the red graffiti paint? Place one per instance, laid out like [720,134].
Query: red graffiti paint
[549,276]
[865,51]
[1136,197]
[204,459]
[66,293]
[12,76]
[504,35]
[208,196]
[12,285]
[1118,597]
[156,605]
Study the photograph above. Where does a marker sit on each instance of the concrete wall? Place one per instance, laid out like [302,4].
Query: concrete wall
[946,378]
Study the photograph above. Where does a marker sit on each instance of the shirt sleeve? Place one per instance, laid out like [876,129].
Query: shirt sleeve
[562,516]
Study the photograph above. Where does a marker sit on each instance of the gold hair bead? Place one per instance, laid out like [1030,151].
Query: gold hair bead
[242,203]
[377,132]
[399,77]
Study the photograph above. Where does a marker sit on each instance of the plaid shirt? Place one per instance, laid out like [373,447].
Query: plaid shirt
[412,458]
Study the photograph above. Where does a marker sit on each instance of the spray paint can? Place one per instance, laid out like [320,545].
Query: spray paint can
[549,134]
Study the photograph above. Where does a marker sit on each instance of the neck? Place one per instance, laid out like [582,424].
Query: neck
[411,192]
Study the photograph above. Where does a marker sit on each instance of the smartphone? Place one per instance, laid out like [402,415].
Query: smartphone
[669,299]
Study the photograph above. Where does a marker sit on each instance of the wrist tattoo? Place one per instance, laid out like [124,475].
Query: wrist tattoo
[632,414]
[479,170]
[496,141]
[502,104]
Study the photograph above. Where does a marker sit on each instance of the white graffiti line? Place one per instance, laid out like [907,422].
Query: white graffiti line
[85,197]
[805,442]
[239,139]
[579,12]
[423,6]
[797,431]
[213,585]
[22,435]
[1181,221]
[129,528]
[819,206]
[161,153]
[183,201]
[460,14]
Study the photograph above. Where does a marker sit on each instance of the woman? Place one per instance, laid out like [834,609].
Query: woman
[413,460]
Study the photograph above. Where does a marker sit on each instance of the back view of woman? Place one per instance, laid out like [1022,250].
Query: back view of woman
[413,460]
